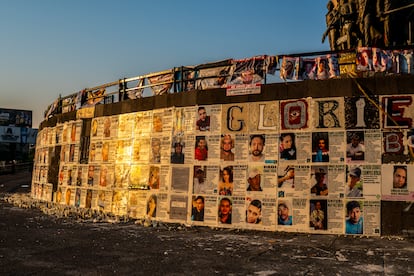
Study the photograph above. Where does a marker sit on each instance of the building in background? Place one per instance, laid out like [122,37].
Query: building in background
[17,137]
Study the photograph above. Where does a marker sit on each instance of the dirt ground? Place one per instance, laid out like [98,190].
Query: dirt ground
[33,243]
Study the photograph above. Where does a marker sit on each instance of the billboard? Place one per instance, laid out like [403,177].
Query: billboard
[15,117]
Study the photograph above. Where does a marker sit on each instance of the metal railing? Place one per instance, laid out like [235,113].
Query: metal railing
[176,81]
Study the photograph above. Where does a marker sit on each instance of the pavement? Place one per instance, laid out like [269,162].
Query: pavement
[35,243]
[16,182]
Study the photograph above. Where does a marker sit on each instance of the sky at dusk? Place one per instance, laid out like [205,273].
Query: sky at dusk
[51,47]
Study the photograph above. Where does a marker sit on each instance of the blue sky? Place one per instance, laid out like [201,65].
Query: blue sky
[52,47]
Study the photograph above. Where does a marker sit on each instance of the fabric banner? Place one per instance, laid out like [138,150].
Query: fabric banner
[388,61]
[52,109]
[185,79]
[91,98]
[161,84]
[289,69]
[333,65]
[322,71]
[137,92]
[72,102]
[249,71]
[216,77]
[307,69]
[319,68]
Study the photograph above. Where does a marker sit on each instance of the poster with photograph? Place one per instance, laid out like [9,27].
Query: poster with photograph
[410,146]
[104,201]
[355,181]
[320,147]
[318,215]
[96,129]
[257,149]
[137,203]
[75,132]
[183,120]
[287,147]
[397,182]
[108,152]
[201,148]
[255,178]
[86,198]
[141,149]
[204,214]
[355,146]
[126,125]
[123,150]
[208,119]
[157,122]
[354,217]
[225,211]
[106,176]
[307,70]
[254,212]
[154,177]
[320,181]
[73,153]
[121,175]
[284,214]
[109,127]
[162,121]
[226,181]
[120,202]
[155,153]
[177,155]
[293,180]
[65,134]
[197,209]
[152,205]
[143,123]
[138,177]
[227,144]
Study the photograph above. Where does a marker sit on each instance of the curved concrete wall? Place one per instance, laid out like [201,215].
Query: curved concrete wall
[120,158]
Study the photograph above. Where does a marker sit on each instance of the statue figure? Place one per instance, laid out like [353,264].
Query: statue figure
[369,23]
[366,22]
[348,16]
[383,8]
[332,22]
